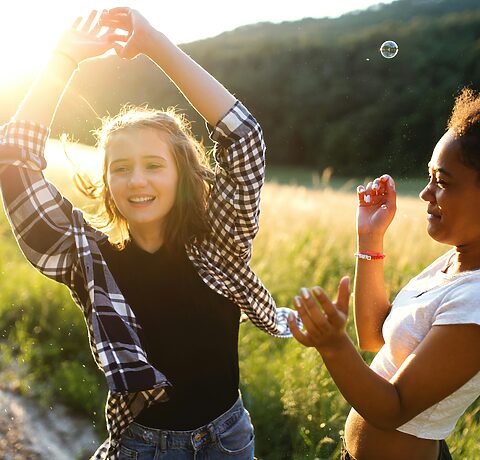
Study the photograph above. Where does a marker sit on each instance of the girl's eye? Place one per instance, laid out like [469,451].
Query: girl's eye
[154,166]
[437,181]
[119,169]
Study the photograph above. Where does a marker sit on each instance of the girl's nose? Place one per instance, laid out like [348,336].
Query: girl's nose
[427,194]
[137,179]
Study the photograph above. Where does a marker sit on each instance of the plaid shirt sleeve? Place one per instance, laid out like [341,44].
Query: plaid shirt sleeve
[239,176]
[41,218]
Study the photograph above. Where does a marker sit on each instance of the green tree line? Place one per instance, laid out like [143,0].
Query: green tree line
[320,88]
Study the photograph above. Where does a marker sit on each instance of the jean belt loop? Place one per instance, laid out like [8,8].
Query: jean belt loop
[213,432]
[163,441]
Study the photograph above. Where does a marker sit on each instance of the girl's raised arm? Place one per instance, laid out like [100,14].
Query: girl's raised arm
[44,222]
[376,209]
[209,97]
[80,42]
[233,207]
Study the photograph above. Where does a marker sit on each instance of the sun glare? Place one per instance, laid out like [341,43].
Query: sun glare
[29,28]
[28,32]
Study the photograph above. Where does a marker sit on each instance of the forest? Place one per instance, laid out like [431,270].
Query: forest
[320,88]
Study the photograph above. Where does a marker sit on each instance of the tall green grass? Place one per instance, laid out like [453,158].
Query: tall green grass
[307,237]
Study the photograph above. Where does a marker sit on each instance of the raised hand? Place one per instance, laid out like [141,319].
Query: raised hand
[85,41]
[324,321]
[376,206]
[138,31]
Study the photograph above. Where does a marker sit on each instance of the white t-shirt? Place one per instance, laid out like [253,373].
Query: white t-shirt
[431,298]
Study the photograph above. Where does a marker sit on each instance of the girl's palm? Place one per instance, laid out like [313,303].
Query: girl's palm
[86,41]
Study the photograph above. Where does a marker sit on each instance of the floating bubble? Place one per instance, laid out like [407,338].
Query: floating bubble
[389,49]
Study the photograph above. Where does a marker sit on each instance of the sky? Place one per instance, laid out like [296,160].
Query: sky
[28,29]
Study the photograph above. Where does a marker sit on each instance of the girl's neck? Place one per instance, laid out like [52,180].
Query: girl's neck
[148,238]
[465,258]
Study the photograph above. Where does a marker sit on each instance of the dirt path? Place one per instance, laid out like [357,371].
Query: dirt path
[31,432]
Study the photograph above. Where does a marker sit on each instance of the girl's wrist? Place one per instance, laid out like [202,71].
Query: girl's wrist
[160,49]
[62,64]
[331,350]
[66,56]
[153,38]
[370,244]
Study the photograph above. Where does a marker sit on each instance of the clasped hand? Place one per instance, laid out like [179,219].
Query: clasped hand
[376,206]
[98,34]
[324,321]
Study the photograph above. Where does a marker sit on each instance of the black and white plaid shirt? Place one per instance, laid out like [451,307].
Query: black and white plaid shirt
[57,241]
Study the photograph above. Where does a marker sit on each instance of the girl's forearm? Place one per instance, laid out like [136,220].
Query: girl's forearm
[373,397]
[45,94]
[208,96]
[371,305]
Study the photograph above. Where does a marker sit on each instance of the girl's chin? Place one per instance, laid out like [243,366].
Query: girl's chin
[436,234]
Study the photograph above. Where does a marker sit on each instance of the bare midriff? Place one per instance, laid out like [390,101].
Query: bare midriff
[365,442]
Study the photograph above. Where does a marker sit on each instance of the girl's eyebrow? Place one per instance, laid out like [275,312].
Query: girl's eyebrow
[154,157]
[144,157]
[440,170]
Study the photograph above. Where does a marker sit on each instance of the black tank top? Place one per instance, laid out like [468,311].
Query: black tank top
[190,334]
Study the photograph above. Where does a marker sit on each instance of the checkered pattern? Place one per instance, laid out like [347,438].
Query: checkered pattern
[58,242]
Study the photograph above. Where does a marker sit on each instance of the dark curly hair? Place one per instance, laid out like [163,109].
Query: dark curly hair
[465,124]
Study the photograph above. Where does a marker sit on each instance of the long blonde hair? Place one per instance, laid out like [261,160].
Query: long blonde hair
[187,219]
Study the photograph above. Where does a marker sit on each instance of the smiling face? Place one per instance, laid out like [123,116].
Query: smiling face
[142,177]
[452,194]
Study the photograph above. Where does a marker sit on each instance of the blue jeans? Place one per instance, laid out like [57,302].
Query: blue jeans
[229,436]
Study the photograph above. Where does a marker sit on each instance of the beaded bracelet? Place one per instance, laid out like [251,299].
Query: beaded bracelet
[369,255]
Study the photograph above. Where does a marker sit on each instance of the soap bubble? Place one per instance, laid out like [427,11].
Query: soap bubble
[389,49]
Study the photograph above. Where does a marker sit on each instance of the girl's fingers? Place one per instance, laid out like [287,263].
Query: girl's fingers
[91,17]
[343,295]
[325,302]
[117,37]
[368,193]
[296,332]
[391,184]
[302,312]
[118,23]
[389,190]
[119,10]
[96,29]
[361,195]
[374,191]
[77,22]
[311,307]
[309,324]
[383,188]
[109,32]
[388,181]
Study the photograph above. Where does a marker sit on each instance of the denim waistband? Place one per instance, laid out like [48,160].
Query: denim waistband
[168,439]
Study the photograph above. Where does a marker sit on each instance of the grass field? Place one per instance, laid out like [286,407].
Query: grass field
[307,237]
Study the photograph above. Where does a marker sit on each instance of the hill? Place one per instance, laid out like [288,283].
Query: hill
[320,88]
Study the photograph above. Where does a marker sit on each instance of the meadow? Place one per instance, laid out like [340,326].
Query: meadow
[307,237]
